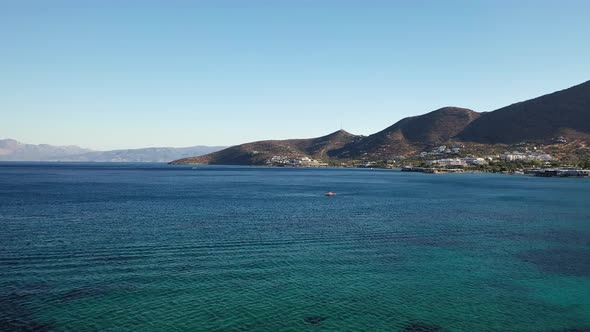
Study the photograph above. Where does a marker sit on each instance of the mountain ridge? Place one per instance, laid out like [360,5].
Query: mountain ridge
[562,115]
[257,153]
[412,133]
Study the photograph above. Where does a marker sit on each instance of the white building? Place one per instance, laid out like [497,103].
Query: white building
[448,162]
[474,161]
[528,156]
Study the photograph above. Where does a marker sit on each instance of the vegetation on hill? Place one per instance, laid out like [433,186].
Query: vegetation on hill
[410,135]
[257,153]
[558,123]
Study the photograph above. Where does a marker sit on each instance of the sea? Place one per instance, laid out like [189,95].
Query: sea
[156,247]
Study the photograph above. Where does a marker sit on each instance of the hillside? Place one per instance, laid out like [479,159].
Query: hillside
[410,135]
[565,112]
[558,122]
[257,153]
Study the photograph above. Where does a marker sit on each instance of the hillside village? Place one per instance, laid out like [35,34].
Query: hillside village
[546,132]
[430,158]
[523,159]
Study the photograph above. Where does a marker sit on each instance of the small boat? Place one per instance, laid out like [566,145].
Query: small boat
[330,193]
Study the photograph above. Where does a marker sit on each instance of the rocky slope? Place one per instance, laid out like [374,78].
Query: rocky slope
[257,153]
[558,121]
[410,135]
[564,112]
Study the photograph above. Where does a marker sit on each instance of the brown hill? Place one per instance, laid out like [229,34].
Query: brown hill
[540,119]
[410,135]
[563,113]
[257,153]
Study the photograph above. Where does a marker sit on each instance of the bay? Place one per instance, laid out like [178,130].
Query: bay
[154,247]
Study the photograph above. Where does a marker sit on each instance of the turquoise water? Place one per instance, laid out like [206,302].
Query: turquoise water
[151,247]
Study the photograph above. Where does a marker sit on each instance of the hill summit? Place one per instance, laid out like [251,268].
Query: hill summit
[258,153]
[411,134]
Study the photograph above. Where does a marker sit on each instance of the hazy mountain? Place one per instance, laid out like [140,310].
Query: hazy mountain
[11,150]
[565,112]
[144,155]
[257,153]
[16,151]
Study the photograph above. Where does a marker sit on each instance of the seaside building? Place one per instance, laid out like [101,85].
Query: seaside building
[447,162]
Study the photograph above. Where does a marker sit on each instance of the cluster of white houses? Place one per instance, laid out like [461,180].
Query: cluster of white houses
[526,156]
[457,161]
[294,161]
[507,156]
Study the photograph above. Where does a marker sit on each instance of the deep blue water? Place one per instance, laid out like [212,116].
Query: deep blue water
[153,247]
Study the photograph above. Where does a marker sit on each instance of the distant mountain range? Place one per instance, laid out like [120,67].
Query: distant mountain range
[11,150]
[564,114]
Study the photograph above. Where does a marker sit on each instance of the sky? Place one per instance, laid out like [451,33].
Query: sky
[130,74]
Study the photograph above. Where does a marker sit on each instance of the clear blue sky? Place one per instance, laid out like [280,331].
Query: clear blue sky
[125,74]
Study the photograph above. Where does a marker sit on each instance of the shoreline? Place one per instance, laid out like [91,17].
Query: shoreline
[547,172]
